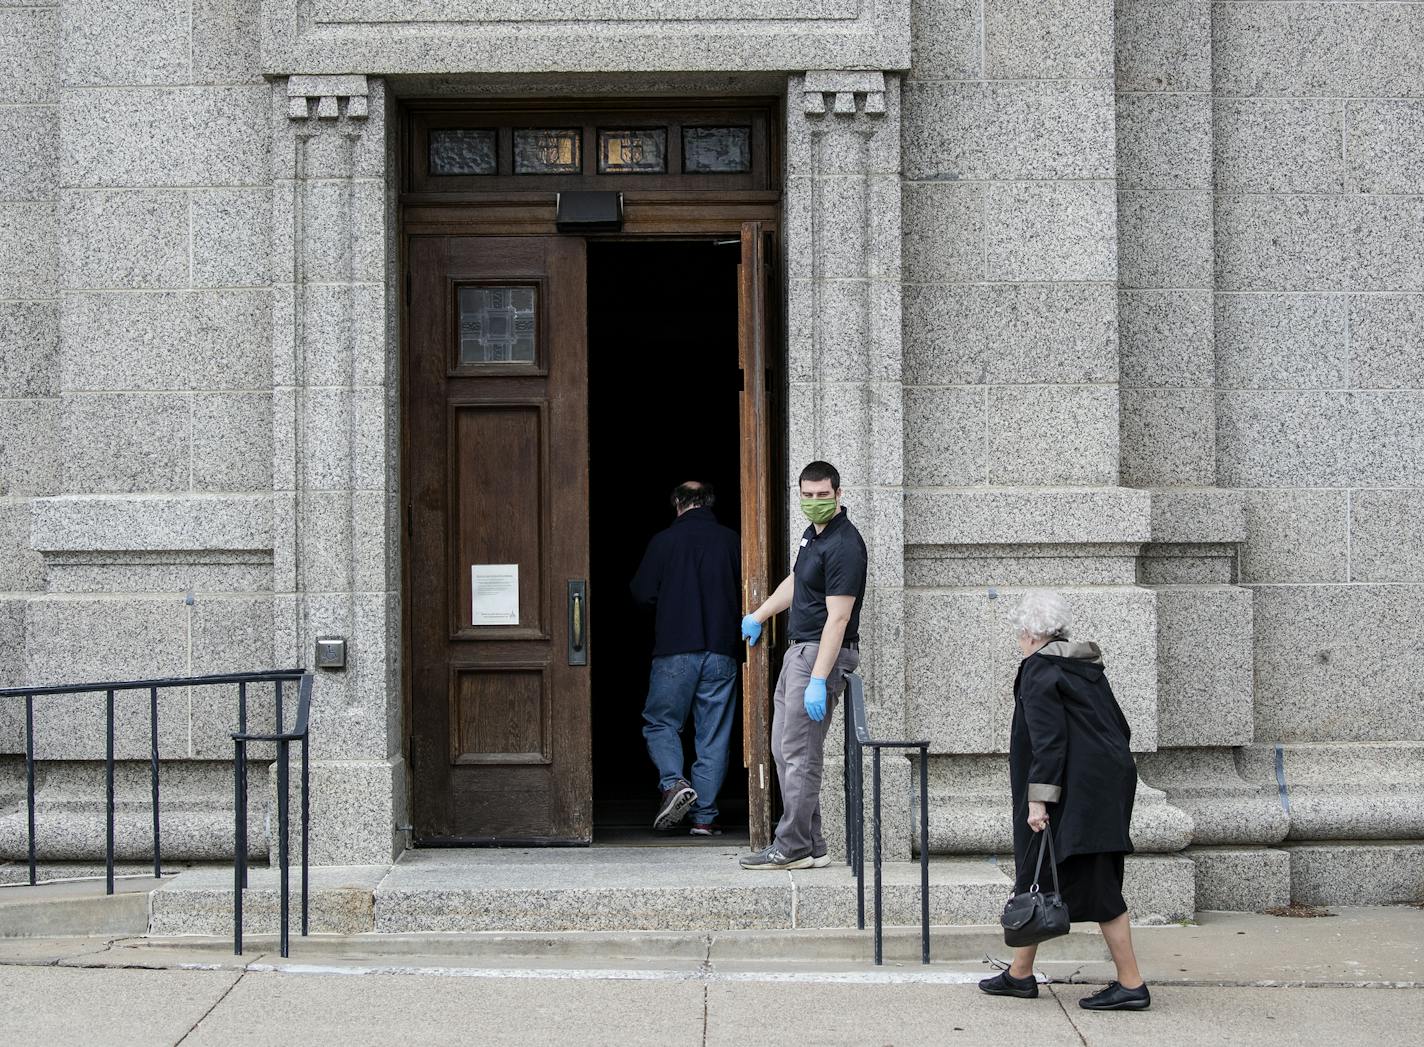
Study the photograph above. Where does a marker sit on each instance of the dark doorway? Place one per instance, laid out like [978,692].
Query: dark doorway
[664,387]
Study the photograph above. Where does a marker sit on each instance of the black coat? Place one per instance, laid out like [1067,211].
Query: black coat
[1070,739]
[691,576]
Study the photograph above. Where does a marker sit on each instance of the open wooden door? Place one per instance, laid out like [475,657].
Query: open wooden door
[757,516]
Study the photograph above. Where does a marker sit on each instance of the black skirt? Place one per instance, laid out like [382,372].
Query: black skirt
[1091,885]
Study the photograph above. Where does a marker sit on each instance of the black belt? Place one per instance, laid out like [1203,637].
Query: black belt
[849,645]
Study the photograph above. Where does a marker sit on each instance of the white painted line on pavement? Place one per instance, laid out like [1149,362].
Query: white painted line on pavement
[635,974]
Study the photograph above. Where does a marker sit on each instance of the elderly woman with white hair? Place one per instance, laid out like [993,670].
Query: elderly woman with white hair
[1071,773]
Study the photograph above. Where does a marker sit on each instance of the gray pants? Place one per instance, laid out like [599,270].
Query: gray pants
[798,743]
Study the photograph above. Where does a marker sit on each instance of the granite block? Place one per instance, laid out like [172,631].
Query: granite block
[1357,873]
[230,634]
[128,138]
[1044,436]
[1019,516]
[1051,231]
[13,670]
[148,524]
[1204,665]
[1318,49]
[1386,333]
[109,571]
[1226,808]
[200,902]
[126,442]
[1279,145]
[950,692]
[345,231]
[1386,442]
[945,437]
[226,41]
[1059,39]
[1168,437]
[29,143]
[355,806]
[328,435]
[376,418]
[943,131]
[979,566]
[343,330]
[1346,791]
[1382,145]
[29,51]
[1281,341]
[1195,516]
[29,447]
[944,232]
[1241,879]
[1165,239]
[1159,888]
[326,532]
[1283,439]
[232,237]
[127,42]
[944,40]
[1280,242]
[29,349]
[233,331]
[1163,45]
[1330,664]
[124,238]
[841,254]
[127,341]
[1164,141]
[1384,529]
[21,568]
[843,330]
[1295,536]
[1387,242]
[29,251]
[1166,339]
[232,442]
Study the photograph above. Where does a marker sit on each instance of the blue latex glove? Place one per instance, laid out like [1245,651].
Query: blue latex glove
[815,699]
[751,629]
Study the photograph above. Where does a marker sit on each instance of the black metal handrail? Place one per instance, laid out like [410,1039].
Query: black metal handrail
[241,737]
[858,739]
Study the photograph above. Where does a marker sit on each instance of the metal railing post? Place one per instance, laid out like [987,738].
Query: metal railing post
[239,841]
[306,830]
[30,777]
[924,854]
[875,825]
[109,806]
[282,772]
[153,778]
[845,778]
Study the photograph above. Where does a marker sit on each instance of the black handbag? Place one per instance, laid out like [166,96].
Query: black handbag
[1034,917]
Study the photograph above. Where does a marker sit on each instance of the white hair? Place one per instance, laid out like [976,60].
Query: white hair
[1042,613]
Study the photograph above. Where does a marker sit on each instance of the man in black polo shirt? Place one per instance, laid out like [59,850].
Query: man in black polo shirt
[823,592]
[691,577]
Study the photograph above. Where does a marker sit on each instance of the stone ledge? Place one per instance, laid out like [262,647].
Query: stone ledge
[1345,791]
[1357,873]
[1197,516]
[1027,516]
[1241,879]
[140,523]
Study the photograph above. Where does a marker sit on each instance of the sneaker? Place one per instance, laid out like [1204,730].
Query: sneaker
[774,858]
[705,829]
[1115,998]
[820,861]
[675,803]
[1005,984]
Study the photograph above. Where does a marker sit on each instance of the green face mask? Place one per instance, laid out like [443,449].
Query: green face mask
[819,510]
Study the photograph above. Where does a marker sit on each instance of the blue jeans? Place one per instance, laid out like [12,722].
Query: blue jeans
[705,685]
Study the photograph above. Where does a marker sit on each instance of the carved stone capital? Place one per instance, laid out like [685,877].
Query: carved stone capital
[844,92]
[328,92]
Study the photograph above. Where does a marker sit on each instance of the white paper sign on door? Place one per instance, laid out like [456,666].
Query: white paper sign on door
[495,593]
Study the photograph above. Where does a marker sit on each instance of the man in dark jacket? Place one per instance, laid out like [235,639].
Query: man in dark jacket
[690,576]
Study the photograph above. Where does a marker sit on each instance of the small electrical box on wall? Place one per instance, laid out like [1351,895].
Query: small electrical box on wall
[330,652]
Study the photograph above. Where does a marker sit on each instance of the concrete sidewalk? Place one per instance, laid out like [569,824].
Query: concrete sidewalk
[1353,979]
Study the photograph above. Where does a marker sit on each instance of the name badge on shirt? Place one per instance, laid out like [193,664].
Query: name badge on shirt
[805,542]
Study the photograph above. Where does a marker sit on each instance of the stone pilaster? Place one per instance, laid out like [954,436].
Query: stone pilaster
[335,439]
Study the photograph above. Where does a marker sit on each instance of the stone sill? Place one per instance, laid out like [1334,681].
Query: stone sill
[151,523]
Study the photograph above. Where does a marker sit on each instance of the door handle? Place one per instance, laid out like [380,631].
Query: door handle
[578,622]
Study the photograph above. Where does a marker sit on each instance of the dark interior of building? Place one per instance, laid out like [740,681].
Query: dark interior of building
[663,408]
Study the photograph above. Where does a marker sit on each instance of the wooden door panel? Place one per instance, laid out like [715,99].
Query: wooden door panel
[497,454]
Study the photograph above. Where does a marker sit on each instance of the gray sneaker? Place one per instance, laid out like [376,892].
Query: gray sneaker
[675,803]
[773,858]
[820,861]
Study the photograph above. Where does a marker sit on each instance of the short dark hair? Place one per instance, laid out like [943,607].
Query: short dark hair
[817,471]
[693,495]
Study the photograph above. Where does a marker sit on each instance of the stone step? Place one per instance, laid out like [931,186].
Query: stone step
[77,908]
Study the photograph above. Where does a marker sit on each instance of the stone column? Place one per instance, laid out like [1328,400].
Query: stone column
[335,462]
[844,360]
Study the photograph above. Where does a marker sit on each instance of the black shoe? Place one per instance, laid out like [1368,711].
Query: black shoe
[1005,984]
[675,803]
[1116,998]
[772,858]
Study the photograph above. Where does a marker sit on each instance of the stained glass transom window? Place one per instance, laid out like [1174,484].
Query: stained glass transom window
[463,151]
[641,151]
[542,150]
[497,325]
[716,150]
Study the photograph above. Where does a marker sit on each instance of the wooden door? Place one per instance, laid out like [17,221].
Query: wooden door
[497,464]
[757,516]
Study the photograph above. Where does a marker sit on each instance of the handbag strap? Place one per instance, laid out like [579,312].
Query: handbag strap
[1046,844]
